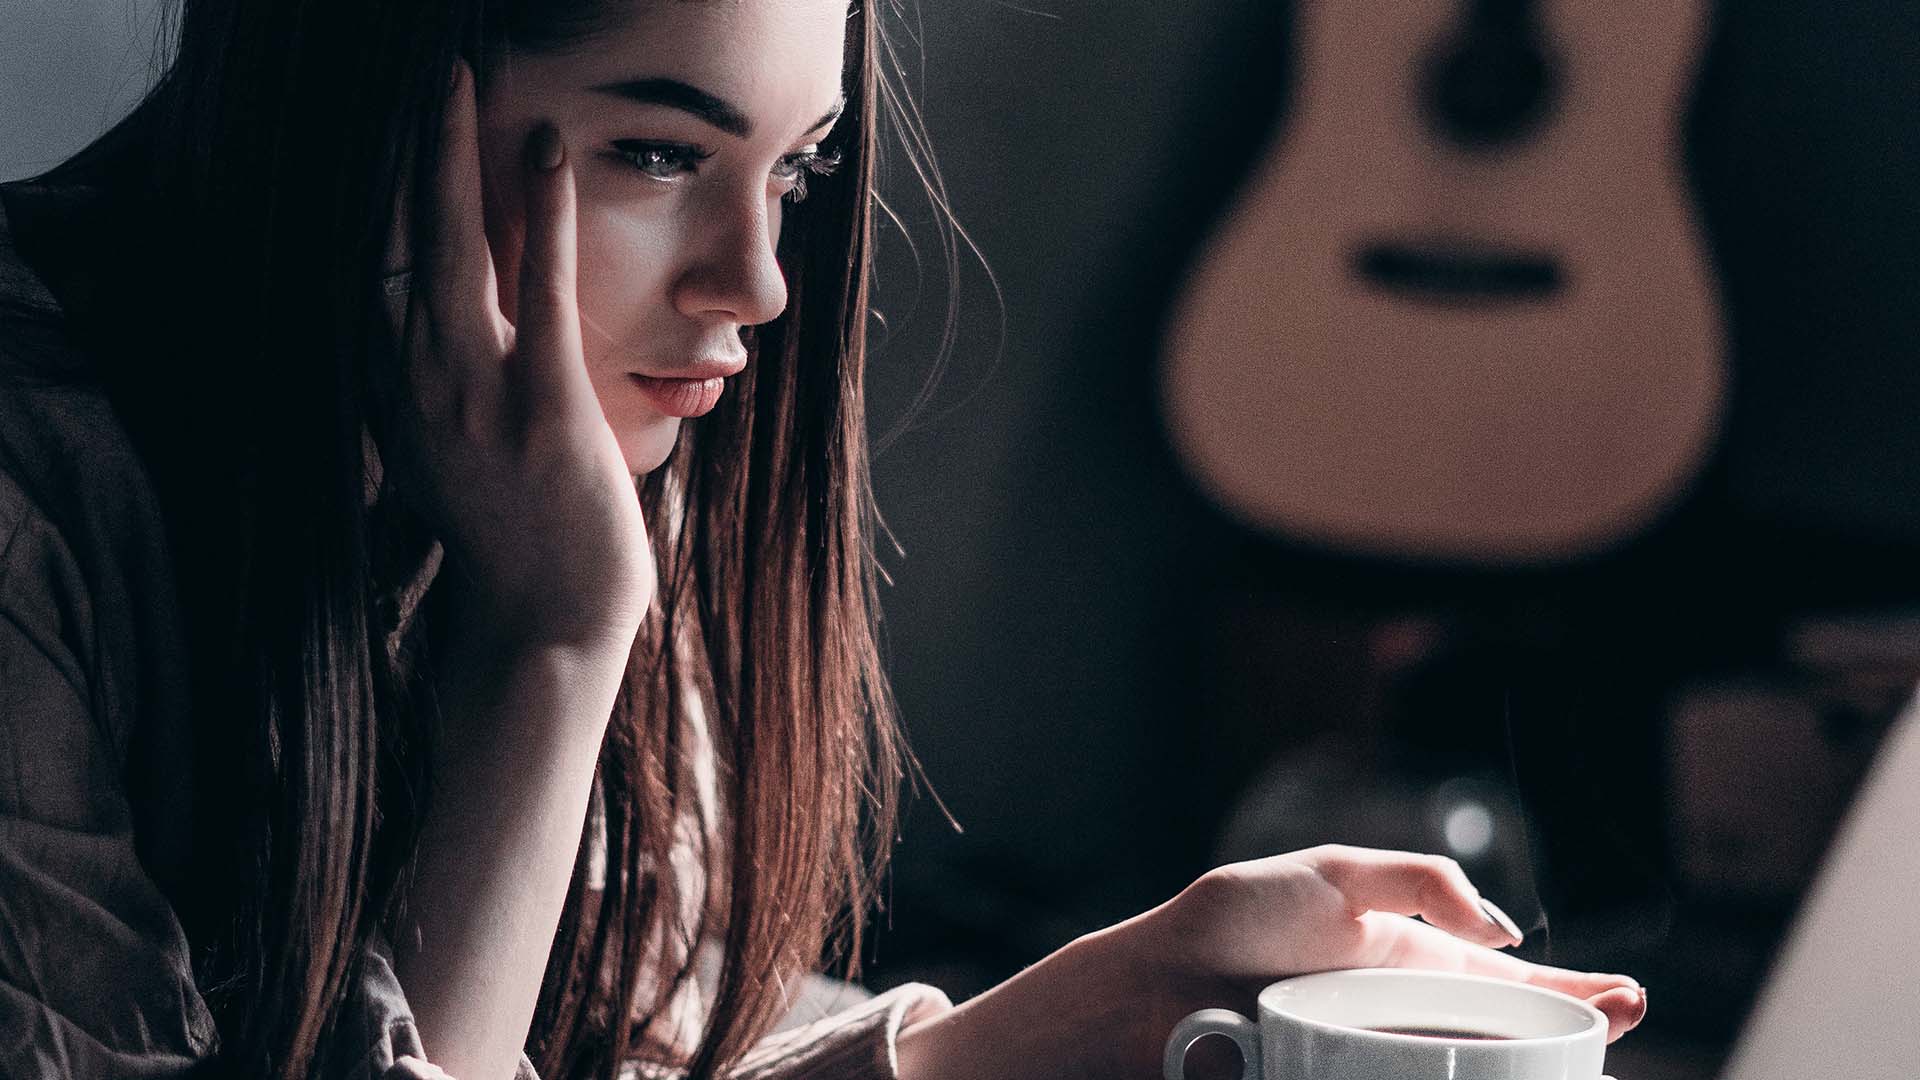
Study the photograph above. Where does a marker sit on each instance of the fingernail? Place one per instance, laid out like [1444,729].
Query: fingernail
[1501,919]
[544,148]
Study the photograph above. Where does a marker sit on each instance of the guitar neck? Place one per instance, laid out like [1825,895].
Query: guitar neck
[1510,16]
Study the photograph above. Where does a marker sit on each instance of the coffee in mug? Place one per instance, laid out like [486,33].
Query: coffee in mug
[1440,1032]
[1410,1025]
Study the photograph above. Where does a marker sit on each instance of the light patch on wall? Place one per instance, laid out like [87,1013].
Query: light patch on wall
[68,70]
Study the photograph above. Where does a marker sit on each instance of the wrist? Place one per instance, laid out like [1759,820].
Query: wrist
[518,695]
[1148,960]
[1142,1006]
[482,653]
[1066,1017]
[484,623]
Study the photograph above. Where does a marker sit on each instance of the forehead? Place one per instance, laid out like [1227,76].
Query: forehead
[731,47]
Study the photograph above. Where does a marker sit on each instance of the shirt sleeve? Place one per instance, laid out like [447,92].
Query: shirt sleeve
[376,1027]
[858,1044]
[96,977]
[96,980]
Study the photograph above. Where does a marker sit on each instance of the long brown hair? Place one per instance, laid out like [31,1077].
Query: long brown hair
[770,581]
[249,196]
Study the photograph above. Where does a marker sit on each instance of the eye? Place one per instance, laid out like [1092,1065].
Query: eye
[794,169]
[661,161]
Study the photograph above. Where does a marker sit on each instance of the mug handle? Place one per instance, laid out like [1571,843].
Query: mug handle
[1244,1033]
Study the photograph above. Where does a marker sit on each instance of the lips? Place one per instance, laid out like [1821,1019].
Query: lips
[679,397]
[690,388]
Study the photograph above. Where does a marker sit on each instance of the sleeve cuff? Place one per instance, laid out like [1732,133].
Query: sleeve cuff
[857,1044]
[376,1027]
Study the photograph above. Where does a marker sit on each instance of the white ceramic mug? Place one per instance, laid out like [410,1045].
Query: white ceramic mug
[1326,1027]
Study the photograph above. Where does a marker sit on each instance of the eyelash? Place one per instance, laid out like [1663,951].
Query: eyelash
[678,158]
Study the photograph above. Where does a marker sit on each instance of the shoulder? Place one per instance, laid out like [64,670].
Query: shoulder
[37,413]
[34,344]
[64,455]
[56,424]
[22,292]
[84,568]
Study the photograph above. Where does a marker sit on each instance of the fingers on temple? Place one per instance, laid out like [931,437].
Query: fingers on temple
[547,332]
[1433,887]
[457,263]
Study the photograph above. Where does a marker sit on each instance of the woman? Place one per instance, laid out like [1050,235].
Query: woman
[394,674]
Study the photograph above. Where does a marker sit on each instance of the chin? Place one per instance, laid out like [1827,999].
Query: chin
[648,447]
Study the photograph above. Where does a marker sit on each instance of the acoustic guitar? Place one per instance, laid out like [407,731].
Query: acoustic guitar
[1461,311]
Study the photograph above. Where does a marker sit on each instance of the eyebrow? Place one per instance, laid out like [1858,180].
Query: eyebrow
[716,111]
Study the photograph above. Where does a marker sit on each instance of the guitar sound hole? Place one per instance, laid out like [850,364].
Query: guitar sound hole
[1487,93]
[1497,80]
[1458,274]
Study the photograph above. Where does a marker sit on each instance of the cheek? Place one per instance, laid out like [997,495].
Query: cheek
[624,269]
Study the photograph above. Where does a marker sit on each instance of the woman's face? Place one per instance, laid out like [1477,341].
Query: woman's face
[689,125]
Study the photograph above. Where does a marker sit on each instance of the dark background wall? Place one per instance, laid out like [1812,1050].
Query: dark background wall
[1045,525]
[1058,618]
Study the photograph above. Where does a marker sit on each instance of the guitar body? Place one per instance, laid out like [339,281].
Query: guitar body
[1490,339]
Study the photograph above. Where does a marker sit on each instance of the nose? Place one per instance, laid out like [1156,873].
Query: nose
[734,275]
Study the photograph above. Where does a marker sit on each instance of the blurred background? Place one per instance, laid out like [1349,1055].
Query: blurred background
[1479,426]
[1121,665]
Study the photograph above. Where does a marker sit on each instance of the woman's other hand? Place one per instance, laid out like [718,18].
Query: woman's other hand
[1245,925]
[1104,1005]
[500,438]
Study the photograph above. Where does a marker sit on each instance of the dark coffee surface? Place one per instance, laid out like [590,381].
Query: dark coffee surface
[1444,1033]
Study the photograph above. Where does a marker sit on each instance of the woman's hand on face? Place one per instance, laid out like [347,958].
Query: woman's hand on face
[501,440]
[1245,925]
